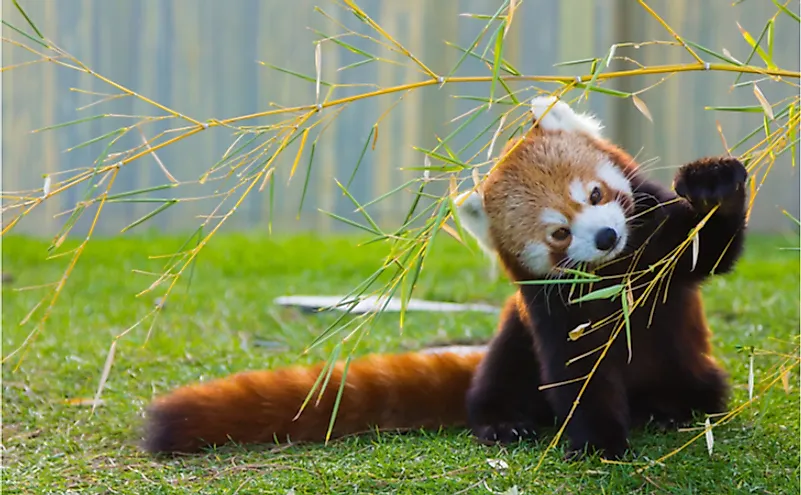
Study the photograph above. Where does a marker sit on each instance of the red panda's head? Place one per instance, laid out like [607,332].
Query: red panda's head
[560,197]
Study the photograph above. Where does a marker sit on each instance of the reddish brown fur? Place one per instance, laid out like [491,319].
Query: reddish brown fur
[402,391]
[536,171]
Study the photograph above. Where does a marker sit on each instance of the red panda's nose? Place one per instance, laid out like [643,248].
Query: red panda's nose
[605,239]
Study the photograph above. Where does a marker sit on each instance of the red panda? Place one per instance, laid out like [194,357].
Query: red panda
[562,197]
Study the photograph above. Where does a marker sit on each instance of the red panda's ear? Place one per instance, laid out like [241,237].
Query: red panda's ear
[550,114]
[473,217]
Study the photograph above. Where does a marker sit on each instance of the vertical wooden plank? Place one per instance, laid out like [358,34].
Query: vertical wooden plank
[327,190]
[382,176]
[51,155]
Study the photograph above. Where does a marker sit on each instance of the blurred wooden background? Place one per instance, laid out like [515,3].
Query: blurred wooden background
[200,57]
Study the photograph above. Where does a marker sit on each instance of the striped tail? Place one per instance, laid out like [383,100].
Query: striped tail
[389,392]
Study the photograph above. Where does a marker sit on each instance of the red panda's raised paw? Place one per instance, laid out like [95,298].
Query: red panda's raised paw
[712,181]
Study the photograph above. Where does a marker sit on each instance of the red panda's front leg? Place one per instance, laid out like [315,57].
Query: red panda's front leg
[701,186]
[601,419]
[504,404]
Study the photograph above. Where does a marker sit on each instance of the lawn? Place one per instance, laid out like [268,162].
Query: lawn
[226,322]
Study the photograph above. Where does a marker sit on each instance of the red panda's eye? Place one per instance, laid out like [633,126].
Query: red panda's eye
[560,234]
[595,196]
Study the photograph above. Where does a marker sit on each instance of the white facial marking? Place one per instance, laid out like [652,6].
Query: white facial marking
[577,192]
[588,223]
[536,257]
[474,218]
[561,117]
[614,177]
[551,216]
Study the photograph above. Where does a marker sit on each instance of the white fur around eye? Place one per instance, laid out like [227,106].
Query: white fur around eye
[561,117]
[614,177]
[551,216]
[588,223]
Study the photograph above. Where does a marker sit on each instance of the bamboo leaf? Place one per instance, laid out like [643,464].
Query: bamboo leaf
[496,62]
[26,35]
[296,74]
[140,191]
[28,19]
[576,62]
[352,223]
[337,400]
[605,293]
[725,56]
[763,102]
[642,107]
[787,11]
[361,156]
[627,302]
[578,332]
[306,182]
[359,207]
[71,122]
[148,216]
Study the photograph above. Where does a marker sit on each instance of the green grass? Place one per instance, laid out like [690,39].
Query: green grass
[53,446]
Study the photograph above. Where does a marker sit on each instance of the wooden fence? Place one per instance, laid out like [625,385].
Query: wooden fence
[201,57]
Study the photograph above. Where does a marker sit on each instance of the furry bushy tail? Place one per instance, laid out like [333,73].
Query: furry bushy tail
[402,391]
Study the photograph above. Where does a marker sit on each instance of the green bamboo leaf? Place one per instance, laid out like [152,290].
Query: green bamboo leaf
[606,91]
[497,60]
[359,207]
[626,317]
[787,11]
[28,19]
[605,293]
[791,217]
[114,133]
[141,200]
[559,281]
[23,33]
[390,193]
[505,65]
[355,64]
[489,127]
[72,122]
[325,373]
[351,223]
[337,400]
[148,216]
[439,157]
[308,176]
[126,194]
[347,46]
[770,42]
[361,155]
[755,48]
[477,38]
[717,55]
[576,62]
[750,109]
[311,79]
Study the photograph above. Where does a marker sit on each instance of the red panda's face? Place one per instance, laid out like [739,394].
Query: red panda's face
[558,199]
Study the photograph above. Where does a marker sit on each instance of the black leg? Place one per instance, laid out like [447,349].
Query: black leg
[601,420]
[504,403]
